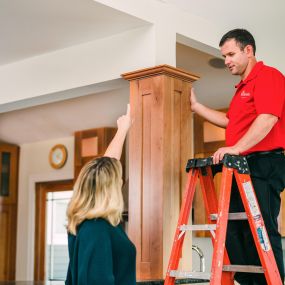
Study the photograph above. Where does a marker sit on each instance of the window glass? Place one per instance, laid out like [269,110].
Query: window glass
[56,246]
[5,174]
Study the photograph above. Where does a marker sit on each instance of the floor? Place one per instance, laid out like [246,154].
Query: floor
[58,283]
[62,283]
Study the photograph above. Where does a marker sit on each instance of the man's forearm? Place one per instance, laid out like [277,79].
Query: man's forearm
[257,132]
[215,117]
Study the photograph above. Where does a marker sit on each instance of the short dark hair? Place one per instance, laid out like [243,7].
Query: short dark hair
[242,37]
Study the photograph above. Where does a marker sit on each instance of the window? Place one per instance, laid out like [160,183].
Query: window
[56,236]
[5,174]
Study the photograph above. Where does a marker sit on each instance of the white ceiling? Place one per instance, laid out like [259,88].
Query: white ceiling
[62,119]
[33,27]
[232,12]
[264,19]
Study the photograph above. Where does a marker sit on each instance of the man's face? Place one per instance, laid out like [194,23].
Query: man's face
[235,59]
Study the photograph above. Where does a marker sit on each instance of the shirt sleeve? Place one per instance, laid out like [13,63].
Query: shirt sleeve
[269,92]
[95,261]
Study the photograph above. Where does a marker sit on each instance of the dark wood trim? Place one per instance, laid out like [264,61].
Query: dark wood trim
[14,172]
[104,135]
[42,188]
[8,215]
[9,239]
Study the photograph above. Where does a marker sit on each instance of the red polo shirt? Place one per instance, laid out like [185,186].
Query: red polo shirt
[261,92]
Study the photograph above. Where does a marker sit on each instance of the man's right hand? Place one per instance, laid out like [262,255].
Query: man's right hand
[215,117]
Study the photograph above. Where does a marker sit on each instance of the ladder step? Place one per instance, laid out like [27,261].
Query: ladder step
[190,274]
[243,268]
[207,275]
[232,216]
[207,227]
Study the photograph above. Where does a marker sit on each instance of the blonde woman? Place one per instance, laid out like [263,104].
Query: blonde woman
[99,250]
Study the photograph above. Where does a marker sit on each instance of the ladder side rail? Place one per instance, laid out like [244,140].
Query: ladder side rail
[208,192]
[222,222]
[183,219]
[211,206]
[258,229]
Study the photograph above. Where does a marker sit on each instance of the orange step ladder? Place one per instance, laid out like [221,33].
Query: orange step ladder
[222,272]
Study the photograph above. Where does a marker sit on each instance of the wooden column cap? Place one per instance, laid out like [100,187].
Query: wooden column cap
[161,70]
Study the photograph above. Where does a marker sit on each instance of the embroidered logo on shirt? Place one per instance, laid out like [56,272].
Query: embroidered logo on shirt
[244,94]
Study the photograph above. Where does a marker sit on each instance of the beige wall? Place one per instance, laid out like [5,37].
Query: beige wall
[34,167]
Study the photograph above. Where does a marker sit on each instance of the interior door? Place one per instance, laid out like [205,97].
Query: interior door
[8,209]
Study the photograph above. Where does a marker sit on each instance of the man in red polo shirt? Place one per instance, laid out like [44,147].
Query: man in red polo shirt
[255,127]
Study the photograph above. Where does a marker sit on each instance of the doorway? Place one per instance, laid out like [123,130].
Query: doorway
[51,252]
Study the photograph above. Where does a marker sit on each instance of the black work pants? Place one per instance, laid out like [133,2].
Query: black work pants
[268,179]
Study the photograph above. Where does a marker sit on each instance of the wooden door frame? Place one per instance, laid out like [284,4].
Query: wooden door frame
[9,207]
[42,188]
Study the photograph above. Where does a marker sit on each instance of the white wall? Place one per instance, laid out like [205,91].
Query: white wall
[34,167]
[169,19]
[205,244]
[201,24]
[77,66]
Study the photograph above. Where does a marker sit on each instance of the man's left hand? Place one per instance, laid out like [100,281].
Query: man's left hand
[219,154]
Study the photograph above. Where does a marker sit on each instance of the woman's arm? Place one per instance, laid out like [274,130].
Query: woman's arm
[116,146]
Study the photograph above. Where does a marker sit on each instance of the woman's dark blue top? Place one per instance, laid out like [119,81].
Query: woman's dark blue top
[100,254]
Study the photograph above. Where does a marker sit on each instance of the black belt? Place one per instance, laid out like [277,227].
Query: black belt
[273,151]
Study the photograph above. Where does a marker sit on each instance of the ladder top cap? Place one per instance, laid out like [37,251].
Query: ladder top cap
[238,162]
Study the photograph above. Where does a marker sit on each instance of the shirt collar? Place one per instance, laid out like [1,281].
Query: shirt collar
[257,67]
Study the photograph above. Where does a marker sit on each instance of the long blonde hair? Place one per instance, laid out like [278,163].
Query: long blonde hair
[97,193]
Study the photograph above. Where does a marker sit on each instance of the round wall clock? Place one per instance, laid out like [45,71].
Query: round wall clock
[58,156]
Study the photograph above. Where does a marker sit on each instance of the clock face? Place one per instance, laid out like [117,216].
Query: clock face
[58,156]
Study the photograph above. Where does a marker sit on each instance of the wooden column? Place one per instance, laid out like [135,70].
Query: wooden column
[160,145]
